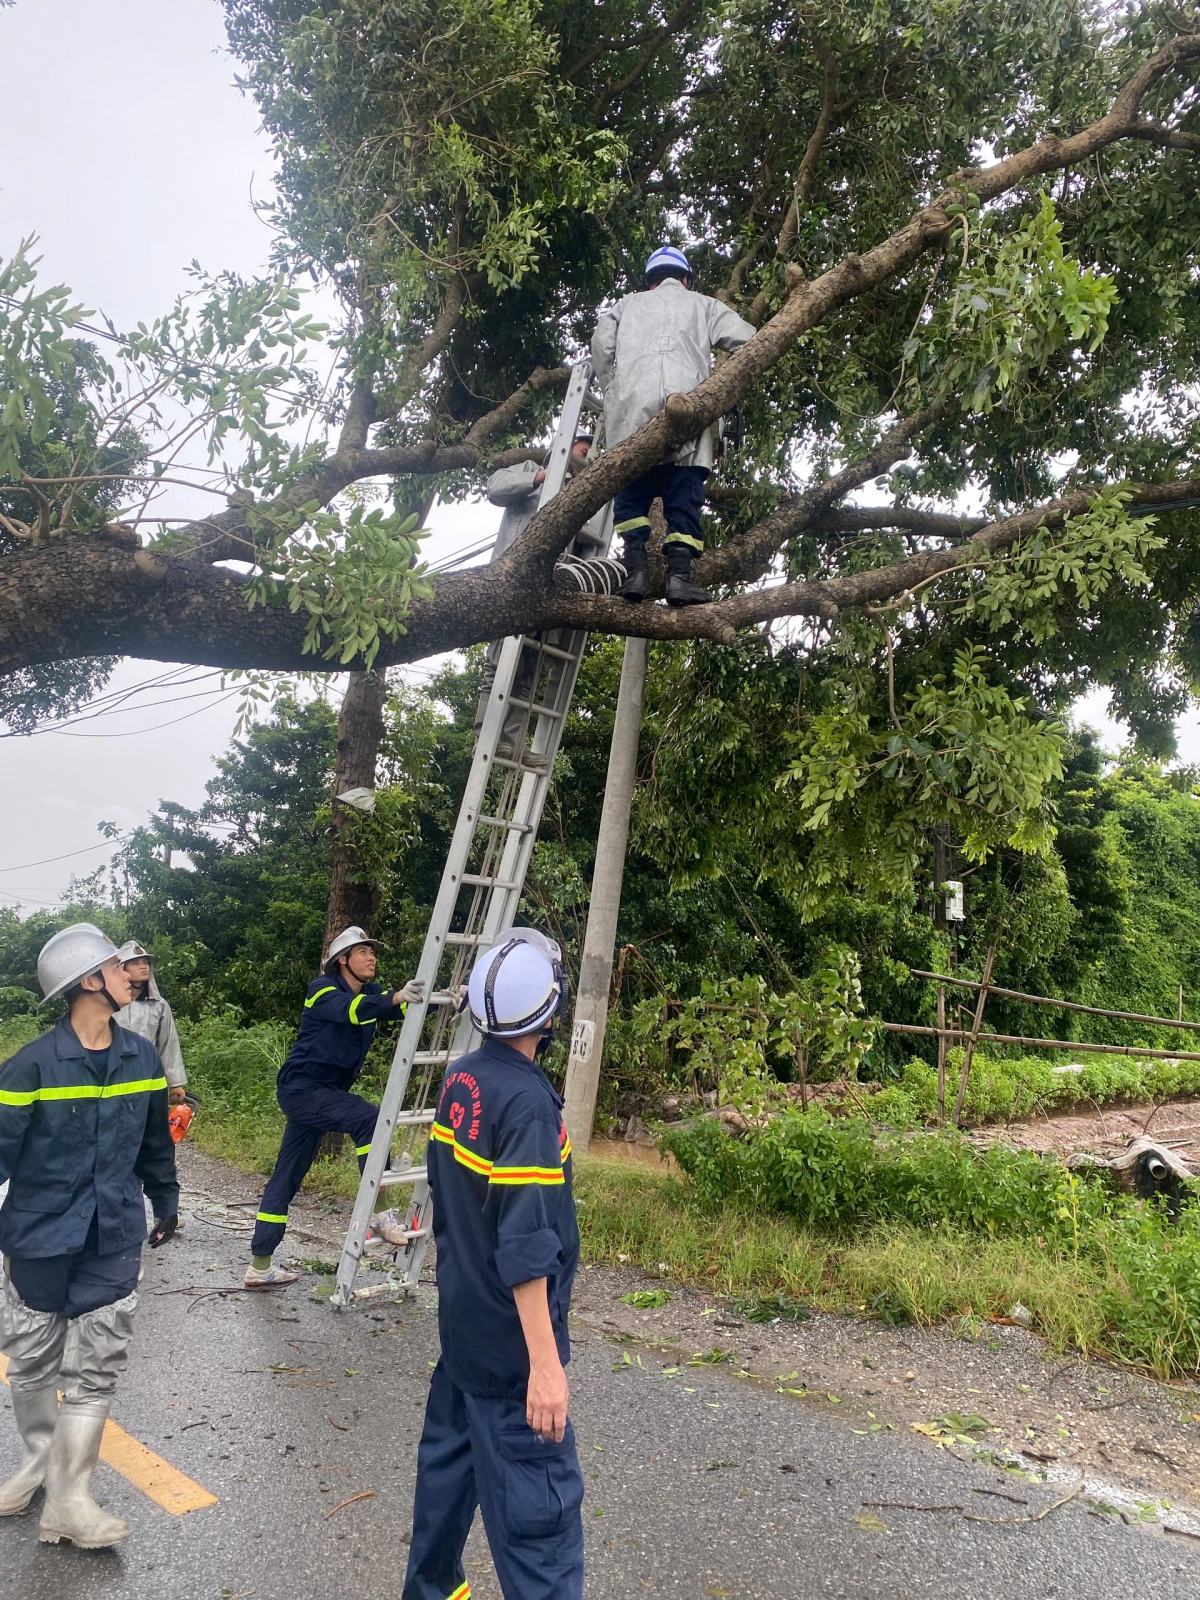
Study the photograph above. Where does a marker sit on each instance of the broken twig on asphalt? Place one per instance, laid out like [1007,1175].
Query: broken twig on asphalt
[367,1494]
[905,1505]
[1038,1516]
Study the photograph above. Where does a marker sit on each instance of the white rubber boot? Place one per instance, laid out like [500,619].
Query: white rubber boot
[36,1412]
[70,1512]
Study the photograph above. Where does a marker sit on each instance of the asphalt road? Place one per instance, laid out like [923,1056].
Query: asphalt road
[285,1410]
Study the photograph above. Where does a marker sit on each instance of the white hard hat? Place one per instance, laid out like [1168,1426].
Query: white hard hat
[72,954]
[131,950]
[518,986]
[346,940]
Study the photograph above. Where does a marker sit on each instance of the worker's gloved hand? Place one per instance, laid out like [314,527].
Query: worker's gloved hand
[163,1230]
[413,990]
[176,1097]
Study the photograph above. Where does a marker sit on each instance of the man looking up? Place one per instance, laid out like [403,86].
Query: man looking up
[313,1086]
[83,1134]
[149,1014]
[650,346]
[496,1432]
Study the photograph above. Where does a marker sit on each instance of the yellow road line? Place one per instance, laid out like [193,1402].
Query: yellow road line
[158,1480]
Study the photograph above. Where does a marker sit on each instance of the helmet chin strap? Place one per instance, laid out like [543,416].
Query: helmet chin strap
[545,1040]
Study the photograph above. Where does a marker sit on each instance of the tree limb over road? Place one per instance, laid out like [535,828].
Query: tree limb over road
[71,588]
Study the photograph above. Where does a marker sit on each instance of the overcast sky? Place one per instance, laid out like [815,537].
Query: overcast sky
[132,157]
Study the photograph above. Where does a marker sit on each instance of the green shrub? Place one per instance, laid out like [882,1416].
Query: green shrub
[18,1031]
[840,1173]
[1002,1089]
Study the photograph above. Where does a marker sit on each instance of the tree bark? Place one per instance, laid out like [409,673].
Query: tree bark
[360,729]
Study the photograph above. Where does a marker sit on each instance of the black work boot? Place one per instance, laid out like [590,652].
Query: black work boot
[634,562]
[681,591]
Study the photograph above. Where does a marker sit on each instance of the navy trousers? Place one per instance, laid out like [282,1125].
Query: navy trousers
[681,490]
[74,1284]
[312,1112]
[481,1452]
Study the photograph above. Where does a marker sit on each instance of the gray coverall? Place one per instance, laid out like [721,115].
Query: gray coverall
[657,343]
[152,1018]
[649,346]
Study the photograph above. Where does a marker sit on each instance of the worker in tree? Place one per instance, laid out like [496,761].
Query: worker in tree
[517,490]
[496,1432]
[83,1136]
[313,1086]
[649,346]
[149,1014]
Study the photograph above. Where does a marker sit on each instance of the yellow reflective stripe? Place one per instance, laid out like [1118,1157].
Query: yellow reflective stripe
[633,522]
[463,1592]
[353,1012]
[683,538]
[468,1158]
[362,1150]
[313,998]
[80,1091]
[566,1150]
[141,1086]
[517,1175]
[269,1216]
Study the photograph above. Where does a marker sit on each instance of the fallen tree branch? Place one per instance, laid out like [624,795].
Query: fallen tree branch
[810,303]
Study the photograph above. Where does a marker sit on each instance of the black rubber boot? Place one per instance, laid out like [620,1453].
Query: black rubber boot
[634,562]
[681,591]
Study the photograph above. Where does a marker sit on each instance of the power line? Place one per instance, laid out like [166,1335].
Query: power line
[131,733]
[87,849]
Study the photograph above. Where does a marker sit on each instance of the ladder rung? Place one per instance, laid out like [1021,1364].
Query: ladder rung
[550,649]
[409,1175]
[442,997]
[479,880]
[425,1058]
[462,938]
[538,711]
[504,822]
[414,1119]
[521,766]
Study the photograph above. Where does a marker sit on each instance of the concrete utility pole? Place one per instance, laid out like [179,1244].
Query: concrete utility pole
[595,970]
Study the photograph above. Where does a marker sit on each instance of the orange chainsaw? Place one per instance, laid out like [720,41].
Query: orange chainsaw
[180,1118]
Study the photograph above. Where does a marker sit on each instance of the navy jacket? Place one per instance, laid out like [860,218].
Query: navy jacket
[503,1213]
[335,1033]
[75,1144]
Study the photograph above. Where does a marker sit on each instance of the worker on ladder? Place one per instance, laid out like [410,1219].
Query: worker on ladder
[651,345]
[496,1431]
[517,489]
[83,1139]
[313,1087]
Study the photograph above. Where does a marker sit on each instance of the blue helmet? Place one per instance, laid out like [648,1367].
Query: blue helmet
[668,256]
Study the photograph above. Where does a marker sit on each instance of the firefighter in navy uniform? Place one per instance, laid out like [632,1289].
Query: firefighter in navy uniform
[314,1083]
[83,1136]
[496,1432]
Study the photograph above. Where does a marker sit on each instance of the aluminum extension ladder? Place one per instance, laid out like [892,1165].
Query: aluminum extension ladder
[481,887]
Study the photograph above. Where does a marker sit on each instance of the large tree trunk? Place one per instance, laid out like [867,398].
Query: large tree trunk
[360,729]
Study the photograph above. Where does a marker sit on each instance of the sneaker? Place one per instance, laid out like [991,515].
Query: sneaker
[271,1277]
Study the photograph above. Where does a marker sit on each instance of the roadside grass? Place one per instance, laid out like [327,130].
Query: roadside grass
[895,1271]
[811,1212]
